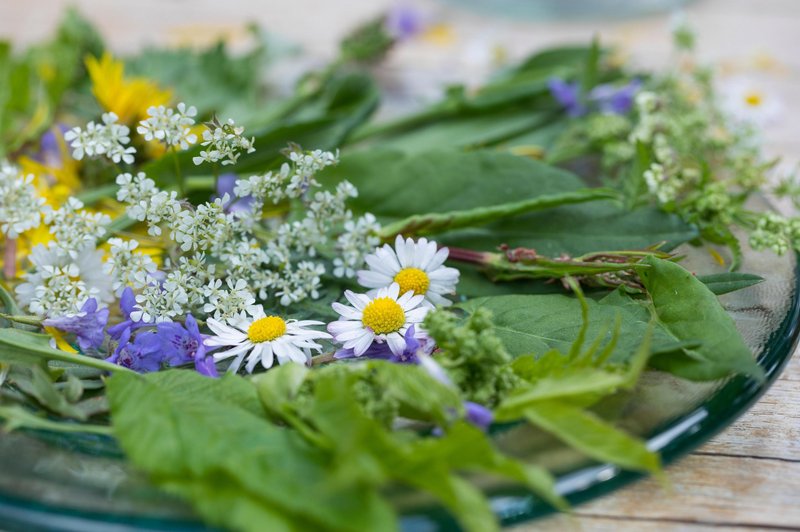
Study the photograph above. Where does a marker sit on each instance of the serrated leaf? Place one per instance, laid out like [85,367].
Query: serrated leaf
[202,433]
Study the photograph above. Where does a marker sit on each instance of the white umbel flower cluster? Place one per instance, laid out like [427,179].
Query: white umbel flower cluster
[73,228]
[60,283]
[359,238]
[169,126]
[224,143]
[146,202]
[128,267]
[20,205]
[226,304]
[108,138]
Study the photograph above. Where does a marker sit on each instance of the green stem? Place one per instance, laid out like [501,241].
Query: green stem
[27,320]
[181,184]
[17,417]
[422,224]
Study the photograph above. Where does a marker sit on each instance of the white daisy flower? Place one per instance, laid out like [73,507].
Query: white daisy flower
[747,100]
[415,266]
[384,318]
[262,338]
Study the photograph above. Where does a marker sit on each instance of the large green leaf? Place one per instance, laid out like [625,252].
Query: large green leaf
[468,131]
[534,324]
[393,184]
[205,436]
[578,229]
[689,310]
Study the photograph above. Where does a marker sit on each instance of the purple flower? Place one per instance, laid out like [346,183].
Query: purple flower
[181,345]
[126,303]
[225,185]
[49,146]
[478,415]
[474,413]
[142,355]
[605,98]
[382,351]
[87,325]
[615,100]
[568,95]
[403,21]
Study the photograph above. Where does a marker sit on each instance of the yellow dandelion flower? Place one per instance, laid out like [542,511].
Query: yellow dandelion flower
[130,98]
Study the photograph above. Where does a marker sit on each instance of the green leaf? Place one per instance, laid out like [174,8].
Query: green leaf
[18,346]
[212,79]
[17,417]
[423,224]
[467,131]
[394,185]
[593,436]
[35,382]
[578,229]
[689,310]
[204,436]
[535,324]
[723,283]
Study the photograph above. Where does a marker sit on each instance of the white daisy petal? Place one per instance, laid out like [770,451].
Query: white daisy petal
[222,355]
[363,344]
[396,343]
[346,312]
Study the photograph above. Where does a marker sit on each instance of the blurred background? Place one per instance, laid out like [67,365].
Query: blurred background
[459,40]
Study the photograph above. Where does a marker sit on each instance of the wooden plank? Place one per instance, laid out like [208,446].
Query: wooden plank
[585,523]
[715,490]
[770,429]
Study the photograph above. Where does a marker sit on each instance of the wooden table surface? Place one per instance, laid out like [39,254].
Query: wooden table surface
[748,477]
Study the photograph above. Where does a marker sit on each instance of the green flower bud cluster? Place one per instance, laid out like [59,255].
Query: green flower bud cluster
[775,232]
[473,355]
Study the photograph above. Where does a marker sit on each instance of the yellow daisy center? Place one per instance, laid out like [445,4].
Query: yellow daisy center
[383,315]
[266,329]
[412,279]
[753,99]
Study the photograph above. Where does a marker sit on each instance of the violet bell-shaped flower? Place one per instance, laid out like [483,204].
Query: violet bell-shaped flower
[87,325]
[605,98]
[142,355]
[126,303]
[184,344]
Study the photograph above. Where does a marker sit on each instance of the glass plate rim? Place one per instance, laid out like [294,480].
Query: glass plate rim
[673,440]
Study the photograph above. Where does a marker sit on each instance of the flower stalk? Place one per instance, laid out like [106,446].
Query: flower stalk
[10,258]
[608,269]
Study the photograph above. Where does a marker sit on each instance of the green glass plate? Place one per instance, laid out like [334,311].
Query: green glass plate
[82,483]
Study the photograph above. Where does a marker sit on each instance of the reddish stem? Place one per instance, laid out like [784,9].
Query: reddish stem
[468,255]
[10,258]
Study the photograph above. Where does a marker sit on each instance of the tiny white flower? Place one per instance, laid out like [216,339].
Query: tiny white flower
[415,267]
[20,204]
[263,338]
[169,126]
[383,318]
[109,139]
